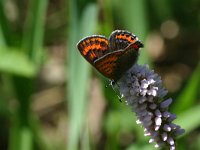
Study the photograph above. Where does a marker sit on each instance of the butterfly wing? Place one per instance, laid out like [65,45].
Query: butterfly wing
[114,64]
[120,39]
[128,57]
[111,57]
[107,64]
[93,47]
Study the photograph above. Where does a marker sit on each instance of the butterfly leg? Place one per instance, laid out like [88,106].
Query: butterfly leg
[112,83]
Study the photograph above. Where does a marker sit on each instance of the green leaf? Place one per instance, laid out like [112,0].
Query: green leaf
[34,30]
[14,62]
[141,146]
[134,19]
[78,70]
[5,30]
[189,120]
[189,94]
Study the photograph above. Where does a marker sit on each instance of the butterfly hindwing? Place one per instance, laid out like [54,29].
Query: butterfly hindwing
[127,58]
[114,64]
[108,64]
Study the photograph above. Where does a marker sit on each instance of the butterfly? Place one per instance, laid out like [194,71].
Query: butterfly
[112,57]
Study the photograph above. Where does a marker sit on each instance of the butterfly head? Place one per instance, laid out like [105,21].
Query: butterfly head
[137,45]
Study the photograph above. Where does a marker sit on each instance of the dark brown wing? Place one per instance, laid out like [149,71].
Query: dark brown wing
[107,65]
[120,39]
[114,58]
[127,59]
[93,47]
[114,64]
[134,46]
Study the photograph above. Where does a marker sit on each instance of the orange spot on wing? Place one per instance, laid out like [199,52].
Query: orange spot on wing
[123,37]
[86,49]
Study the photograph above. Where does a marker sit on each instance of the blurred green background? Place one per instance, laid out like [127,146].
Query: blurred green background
[52,99]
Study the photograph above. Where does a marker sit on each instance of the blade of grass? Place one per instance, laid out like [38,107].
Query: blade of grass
[32,46]
[20,64]
[107,13]
[37,133]
[24,66]
[133,18]
[140,146]
[78,69]
[189,120]
[5,27]
[34,30]
[27,138]
[189,94]
[2,40]
[72,38]
[162,9]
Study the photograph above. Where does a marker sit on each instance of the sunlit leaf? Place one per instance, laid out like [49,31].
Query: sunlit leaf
[14,62]
[189,120]
[78,70]
[189,94]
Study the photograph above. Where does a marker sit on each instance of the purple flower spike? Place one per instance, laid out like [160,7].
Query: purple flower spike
[142,89]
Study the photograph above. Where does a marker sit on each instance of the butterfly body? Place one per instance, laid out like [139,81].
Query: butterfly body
[111,57]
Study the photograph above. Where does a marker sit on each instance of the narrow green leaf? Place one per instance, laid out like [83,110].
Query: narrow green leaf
[15,62]
[189,94]
[134,19]
[141,146]
[4,25]
[73,31]
[26,139]
[189,120]
[2,39]
[34,30]
[162,9]
[78,70]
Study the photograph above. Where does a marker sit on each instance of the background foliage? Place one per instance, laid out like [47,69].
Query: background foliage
[51,99]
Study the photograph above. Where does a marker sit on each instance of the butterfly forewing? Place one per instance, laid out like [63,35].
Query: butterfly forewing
[113,65]
[93,47]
